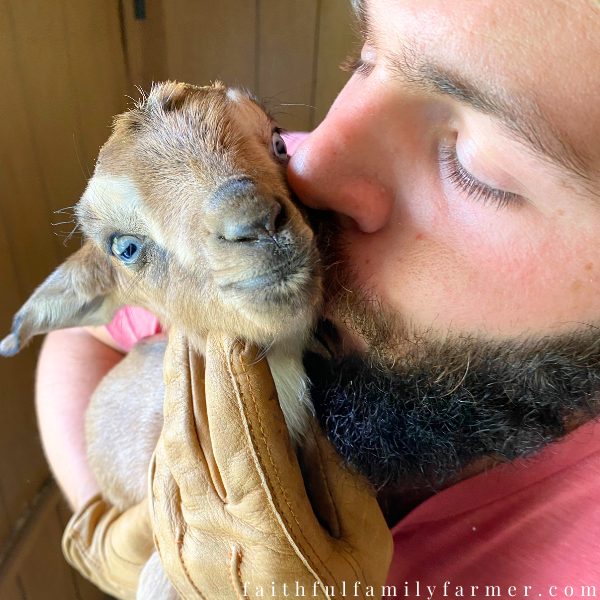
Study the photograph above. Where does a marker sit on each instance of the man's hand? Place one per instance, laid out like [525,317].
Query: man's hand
[229,506]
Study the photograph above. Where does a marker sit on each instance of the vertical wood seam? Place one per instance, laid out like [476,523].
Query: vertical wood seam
[124,44]
[315,67]
[5,506]
[20,285]
[79,150]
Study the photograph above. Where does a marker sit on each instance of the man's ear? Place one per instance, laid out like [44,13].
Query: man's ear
[82,291]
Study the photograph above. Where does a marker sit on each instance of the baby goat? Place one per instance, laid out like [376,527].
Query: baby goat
[188,215]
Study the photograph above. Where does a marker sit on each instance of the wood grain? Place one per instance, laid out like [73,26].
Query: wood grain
[211,40]
[288,31]
[45,574]
[48,100]
[337,38]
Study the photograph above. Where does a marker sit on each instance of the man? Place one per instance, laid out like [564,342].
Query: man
[462,167]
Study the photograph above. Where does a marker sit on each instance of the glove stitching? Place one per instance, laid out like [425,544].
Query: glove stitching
[180,549]
[236,557]
[264,439]
[162,562]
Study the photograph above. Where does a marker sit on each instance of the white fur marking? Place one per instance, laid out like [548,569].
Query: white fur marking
[291,384]
[120,188]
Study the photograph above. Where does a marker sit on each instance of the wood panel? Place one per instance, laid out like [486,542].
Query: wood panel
[63,65]
[92,36]
[211,40]
[45,573]
[145,45]
[288,33]
[13,590]
[27,255]
[337,38]
[25,205]
[46,79]
[10,300]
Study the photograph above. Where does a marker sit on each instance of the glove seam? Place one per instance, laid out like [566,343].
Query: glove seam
[233,555]
[264,439]
[179,543]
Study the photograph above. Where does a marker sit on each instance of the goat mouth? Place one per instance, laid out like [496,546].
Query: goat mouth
[279,284]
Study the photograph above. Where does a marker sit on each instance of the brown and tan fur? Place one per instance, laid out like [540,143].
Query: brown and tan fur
[189,172]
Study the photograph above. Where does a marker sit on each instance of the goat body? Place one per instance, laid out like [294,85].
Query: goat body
[188,215]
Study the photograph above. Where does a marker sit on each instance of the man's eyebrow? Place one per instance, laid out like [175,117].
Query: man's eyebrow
[522,119]
[362,17]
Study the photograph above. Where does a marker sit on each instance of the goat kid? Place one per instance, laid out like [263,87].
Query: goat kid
[188,215]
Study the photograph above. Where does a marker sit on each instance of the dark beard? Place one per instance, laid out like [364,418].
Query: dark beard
[414,410]
[426,420]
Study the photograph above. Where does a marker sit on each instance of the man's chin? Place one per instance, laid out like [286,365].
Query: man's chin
[424,416]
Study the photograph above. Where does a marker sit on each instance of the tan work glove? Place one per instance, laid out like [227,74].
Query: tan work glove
[228,503]
[109,547]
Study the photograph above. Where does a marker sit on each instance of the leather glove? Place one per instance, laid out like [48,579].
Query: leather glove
[109,547]
[229,506]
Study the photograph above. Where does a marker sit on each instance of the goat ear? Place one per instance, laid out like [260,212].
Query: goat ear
[82,291]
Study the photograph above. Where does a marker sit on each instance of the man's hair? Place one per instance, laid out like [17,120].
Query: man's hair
[359,6]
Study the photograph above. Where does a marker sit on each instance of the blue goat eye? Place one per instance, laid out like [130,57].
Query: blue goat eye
[278,144]
[126,247]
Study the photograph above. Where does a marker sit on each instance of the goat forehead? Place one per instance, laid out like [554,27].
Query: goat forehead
[112,203]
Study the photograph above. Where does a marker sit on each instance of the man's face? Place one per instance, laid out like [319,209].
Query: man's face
[462,162]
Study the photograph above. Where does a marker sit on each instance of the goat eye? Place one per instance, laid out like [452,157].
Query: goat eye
[126,247]
[279,147]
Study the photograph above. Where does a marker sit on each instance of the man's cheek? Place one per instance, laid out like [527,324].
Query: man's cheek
[482,276]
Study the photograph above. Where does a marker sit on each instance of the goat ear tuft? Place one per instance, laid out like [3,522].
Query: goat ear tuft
[82,291]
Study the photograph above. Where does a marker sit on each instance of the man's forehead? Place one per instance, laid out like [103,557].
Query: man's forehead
[515,49]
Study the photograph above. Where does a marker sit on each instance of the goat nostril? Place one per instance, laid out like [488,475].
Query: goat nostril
[280,219]
[273,218]
[249,227]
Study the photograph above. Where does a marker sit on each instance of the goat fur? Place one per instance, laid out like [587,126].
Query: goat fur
[180,172]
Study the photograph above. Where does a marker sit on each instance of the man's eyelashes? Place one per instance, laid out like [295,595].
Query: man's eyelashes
[452,170]
[450,165]
[355,64]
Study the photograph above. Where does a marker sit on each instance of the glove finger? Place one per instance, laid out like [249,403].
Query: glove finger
[184,405]
[238,387]
[168,523]
[250,440]
[344,500]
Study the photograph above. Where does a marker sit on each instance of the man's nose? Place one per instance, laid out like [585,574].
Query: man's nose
[341,167]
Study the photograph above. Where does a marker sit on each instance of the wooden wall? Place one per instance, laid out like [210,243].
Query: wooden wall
[66,67]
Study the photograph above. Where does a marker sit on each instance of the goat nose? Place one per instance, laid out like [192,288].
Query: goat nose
[252,223]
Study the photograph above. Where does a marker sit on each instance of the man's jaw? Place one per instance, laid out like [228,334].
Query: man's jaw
[410,408]
[429,416]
